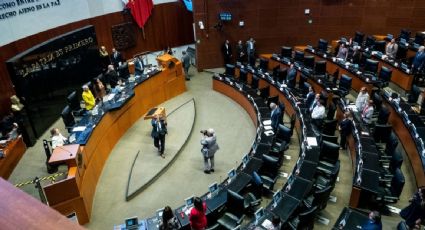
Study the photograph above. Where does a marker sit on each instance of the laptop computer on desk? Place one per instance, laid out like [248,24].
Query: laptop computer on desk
[132,223]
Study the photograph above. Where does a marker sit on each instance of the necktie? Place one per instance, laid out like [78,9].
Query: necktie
[159,126]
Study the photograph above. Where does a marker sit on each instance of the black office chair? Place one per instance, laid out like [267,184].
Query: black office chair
[401,52]
[344,85]
[332,139]
[299,56]
[286,52]
[377,100]
[243,76]
[402,225]
[383,115]
[282,139]
[380,46]
[269,173]
[322,46]
[419,39]
[265,92]
[358,38]
[282,110]
[329,127]
[74,104]
[405,34]
[230,70]
[331,111]
[304,220]
[384,77]
[371,67]
[68,119]
[281,75]
[381,133]
[264,64]
[396,161]
[320,68]
[413,96]
[234,214]
[327,175]
[370,41]
[318,199]
[254,82]
[309,61]
[391,192]
[329,152]
[274,99]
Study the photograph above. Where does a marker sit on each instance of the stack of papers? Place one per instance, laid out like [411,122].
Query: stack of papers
[267,122]
[79,129]
[312,141]
[269,133]
[267,127]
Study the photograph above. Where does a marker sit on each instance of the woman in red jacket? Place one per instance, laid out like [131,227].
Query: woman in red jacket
[197,217]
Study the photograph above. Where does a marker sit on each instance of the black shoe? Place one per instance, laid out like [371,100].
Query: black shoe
[206,171]
[187,79]
[212,170]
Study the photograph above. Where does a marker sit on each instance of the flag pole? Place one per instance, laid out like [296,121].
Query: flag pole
[143,32]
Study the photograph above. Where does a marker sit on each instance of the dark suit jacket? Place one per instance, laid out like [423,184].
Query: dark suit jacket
[346,126]
[139,66]
[309,100]
[156,131]
[291,77]
[227,52]
[116,58]
[111,77]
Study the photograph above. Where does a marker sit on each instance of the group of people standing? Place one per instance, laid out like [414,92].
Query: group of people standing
[244,53]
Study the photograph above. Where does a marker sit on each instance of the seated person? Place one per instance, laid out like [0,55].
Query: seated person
[111,76]
[140,66]
[391,49]
[367,113]
[276,116]
[57,138]
[318,113]
[374,222]
[362,99]
[342,52]
[291,76]
[314,103]
[88,98]
[169,220]
[118,87]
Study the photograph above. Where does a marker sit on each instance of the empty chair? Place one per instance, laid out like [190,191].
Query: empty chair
[329,127]
[283,135]
[358,38]
[413,96]
[332,139]
[419,39]
[401,52]
[382,133]
[309,62]
[371,66]
[264,92]
[234,214]
[329,152]
[301,85]
[323,45]
[299,56]
[286,52]
[269,172]
[319,198]
[243,75]
[320,68]
[397,183]
[68,118]
[370,41]
[281,75]
[405,34]
[264,64]
[385,76]
[327,174]
[230,70]
[380,46]
[344,85]
[254,82]
[304,220]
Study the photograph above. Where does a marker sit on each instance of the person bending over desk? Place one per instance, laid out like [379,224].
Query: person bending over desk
[367,113]
[88,98]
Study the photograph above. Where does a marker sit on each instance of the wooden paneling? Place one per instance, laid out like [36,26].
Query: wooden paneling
[13,153]
[277,23]
[169,25]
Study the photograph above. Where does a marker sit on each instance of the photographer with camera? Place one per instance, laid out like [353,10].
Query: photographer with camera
[209,147]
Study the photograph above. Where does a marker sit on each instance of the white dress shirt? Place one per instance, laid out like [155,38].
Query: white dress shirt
[362,100]
[318,112]
[58,140]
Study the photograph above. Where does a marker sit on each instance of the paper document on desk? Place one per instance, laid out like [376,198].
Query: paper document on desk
[267,122]
[269,133]
[311,141]
[79,129]
[365,133]
[267,127]
[267,224]
[110,96]
[352,107]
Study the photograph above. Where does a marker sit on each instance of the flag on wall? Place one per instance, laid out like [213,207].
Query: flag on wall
[188,4]
[140,9]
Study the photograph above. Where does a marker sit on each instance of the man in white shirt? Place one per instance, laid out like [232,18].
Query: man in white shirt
[367,112]
[57,138]
[362,99]
[314,103]
[318,114]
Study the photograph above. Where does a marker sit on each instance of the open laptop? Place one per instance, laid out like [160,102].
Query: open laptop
[132,223]
[258,215]
[245,160]
[276,198]
[188,204]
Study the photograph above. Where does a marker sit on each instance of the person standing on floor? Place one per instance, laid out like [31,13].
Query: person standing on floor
[159,130]
[209,147]
[186,64]
[226,49]
[240,50]
[250,50]
[345,127]
[416,209]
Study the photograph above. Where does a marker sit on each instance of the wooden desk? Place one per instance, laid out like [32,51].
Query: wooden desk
[66,153]
[21,211]
[14,151]
[153,112]
[398,77]
[150,93]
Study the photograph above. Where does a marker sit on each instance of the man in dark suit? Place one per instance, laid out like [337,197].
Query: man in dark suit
[345,128]
[111,76]
[275,116]
[159,130]
[250,50]
[291,77]
[240,52]
[309,99]
[186,64]
[116,58]
[227,52]
[138,63]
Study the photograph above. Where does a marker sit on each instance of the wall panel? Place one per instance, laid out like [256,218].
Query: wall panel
[169,25]
[277,23]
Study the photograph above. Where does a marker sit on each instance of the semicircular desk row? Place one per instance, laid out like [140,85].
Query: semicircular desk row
[407,124]
[103,130]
